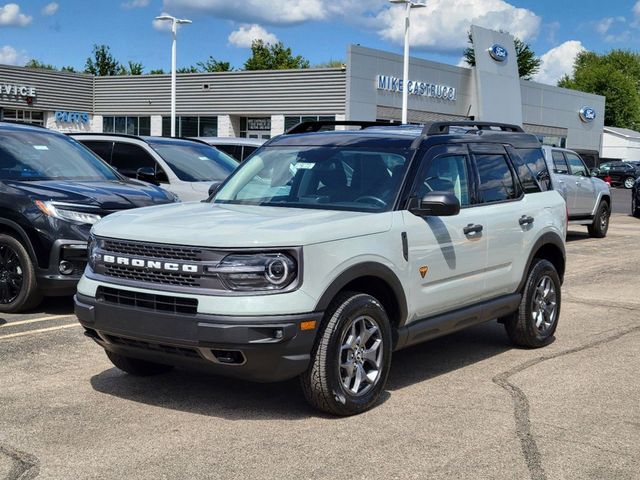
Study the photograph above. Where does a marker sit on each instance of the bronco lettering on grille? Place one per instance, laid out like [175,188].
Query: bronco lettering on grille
[150,264]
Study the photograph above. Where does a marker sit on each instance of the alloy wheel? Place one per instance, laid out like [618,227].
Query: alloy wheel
[604,219]
[11,275]
[544,304]
[361,355]
[628,182]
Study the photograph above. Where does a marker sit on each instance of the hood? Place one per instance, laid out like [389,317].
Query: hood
[108,195]
[237,226]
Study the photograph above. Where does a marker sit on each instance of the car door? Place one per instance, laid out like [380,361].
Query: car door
[564,178]
[585,198]
[447,255]
[510,217]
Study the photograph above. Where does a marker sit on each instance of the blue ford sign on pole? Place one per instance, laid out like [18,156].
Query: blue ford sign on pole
[498,53]
[587,114]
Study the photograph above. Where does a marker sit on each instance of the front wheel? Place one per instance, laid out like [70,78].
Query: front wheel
[351,359]
[628,182]
[18,284]
[600,225]
[535,322]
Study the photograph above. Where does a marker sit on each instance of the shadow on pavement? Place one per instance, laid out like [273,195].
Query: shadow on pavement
[54,306]
[573,236]
[204,394]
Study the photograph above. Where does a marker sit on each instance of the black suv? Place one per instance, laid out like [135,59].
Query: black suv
[52,190]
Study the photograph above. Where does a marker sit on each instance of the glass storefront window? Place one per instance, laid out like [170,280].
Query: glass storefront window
[26,116]
[128,125]
[191,126]
[293,120]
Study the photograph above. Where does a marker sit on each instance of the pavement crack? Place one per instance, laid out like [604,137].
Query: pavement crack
[521,405]
[25,465]
[601,303]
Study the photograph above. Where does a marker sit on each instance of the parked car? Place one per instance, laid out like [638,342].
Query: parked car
[635,199]
[588,198]
[52,190]
[326,251]
[187,168]
[238,148]
[618,173]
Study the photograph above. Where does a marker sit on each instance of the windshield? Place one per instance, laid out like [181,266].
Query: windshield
[195,162]
[40,155]
[337,178]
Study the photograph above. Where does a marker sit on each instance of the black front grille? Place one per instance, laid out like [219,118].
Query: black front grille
[155,276]
[149,301]
[167,252]
[154,347]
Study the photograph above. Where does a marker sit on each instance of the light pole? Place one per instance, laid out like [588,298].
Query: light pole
[174,30]
[405,91]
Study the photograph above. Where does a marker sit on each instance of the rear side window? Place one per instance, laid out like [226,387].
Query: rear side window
[576,165]
[496,179]
[532,159]
[102,149]
[233,150]
[248,150]
[559,163]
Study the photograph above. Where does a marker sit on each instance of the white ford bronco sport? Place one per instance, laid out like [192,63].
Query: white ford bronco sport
[326,251]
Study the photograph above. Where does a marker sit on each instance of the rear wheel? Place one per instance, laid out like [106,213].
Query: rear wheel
[18,285]
[137,367]
[600,225]
[628,182]
[535,322]
[350,361]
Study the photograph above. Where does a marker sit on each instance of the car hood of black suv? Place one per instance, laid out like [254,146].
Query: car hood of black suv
[107,195]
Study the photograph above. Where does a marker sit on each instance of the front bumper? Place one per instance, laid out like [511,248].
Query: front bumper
[263,349]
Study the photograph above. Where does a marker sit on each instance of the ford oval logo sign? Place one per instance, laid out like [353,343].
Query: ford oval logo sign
[498,53]
[587,114]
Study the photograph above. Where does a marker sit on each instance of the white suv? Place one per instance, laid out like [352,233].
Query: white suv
[186,168]
[327,251]
[588,198]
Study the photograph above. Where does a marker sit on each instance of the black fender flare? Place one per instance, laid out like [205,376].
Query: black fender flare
[23,236]
[367,269]
[549,238]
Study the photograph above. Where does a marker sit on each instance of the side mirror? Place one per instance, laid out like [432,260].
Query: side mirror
[594,172]
[436,204]
[213,189]
[147,174]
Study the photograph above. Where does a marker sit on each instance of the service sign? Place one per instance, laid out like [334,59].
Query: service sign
[16,91]
[423,89]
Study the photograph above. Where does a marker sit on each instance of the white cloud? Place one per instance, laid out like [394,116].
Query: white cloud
[558,61]
[636,9]
[443,24]
[246,34]
[10,56]
[604,25]
[50,9]
[10,16]
[135,4]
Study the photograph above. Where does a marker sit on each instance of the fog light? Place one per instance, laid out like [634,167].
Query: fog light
[65,267]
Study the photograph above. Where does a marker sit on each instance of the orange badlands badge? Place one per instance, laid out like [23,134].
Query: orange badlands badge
[423,271]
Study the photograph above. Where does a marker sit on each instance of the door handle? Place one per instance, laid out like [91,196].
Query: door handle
[472,229]
[526,220]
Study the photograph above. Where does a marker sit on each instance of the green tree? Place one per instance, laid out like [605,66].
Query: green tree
[616,76]
[190,69]
[133,68]
[33,63]
[157,71]
[330,64]
[528,63]
[101,62]
[68,68]
[213,65]
[266,56]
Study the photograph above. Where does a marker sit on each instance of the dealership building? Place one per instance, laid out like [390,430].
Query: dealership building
[262,104]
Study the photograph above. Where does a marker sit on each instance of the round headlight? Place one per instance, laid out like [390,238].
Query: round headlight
[277,271]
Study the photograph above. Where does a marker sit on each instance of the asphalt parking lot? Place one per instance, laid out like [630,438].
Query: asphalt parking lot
[464,406]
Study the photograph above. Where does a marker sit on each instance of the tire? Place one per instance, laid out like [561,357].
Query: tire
[635,208]
[522,328]
[628,182]
[327,384]
[18,283]
[137,367]
[600,225]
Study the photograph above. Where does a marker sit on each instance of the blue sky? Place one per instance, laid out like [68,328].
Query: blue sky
[63,32]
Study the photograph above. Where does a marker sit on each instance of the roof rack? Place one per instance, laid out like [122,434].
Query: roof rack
[442,128]
[315,126]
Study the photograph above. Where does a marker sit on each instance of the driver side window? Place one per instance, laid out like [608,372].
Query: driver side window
[446,173]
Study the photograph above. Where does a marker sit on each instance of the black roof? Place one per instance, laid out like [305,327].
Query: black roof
[385,135]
